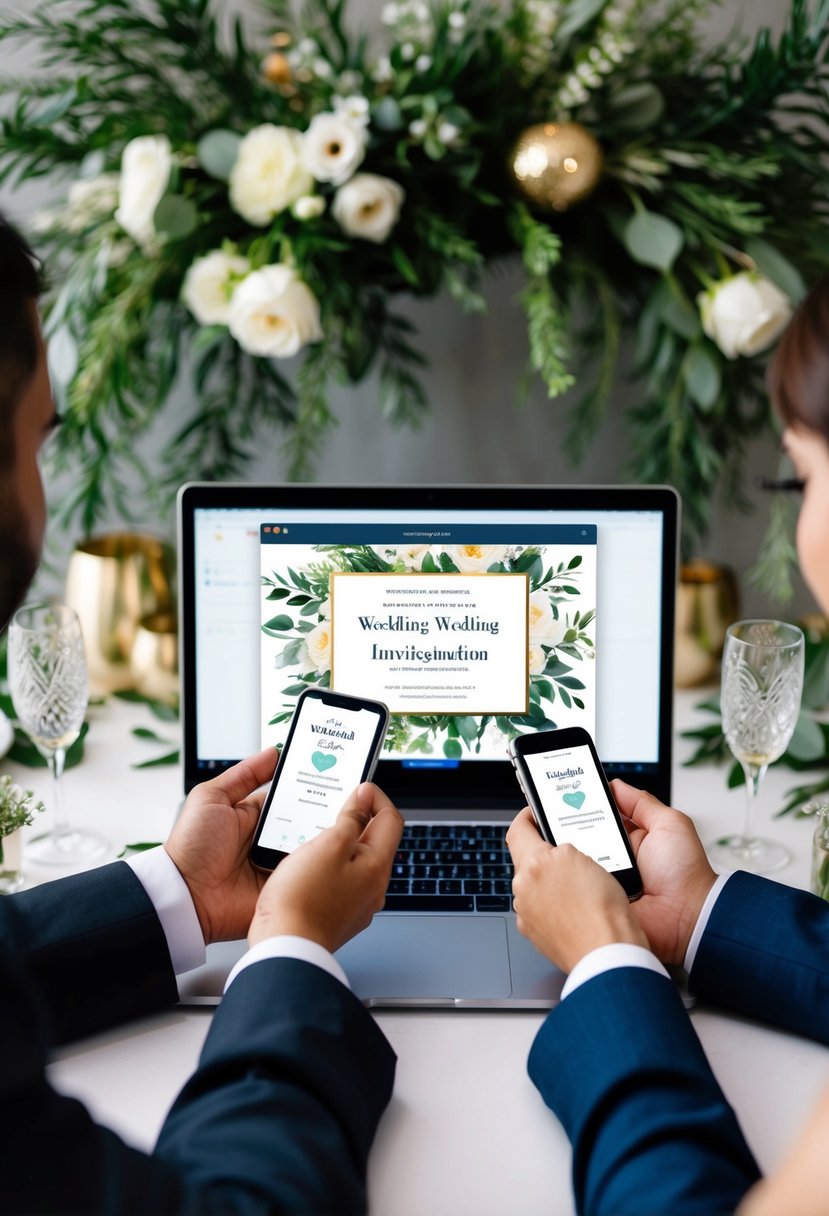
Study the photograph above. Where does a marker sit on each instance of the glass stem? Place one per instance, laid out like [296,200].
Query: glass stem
[754,774]
[57,762]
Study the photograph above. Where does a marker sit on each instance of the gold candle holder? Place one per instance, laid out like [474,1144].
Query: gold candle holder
[707,603]
[112,582]
[155,657]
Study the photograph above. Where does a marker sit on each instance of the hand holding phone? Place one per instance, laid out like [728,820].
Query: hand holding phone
[333,745]
[563,781]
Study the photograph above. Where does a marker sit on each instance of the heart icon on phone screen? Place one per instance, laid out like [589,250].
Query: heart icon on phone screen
[576,799]
[322,761]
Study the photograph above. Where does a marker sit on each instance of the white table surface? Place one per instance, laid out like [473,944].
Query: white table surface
[465,1132]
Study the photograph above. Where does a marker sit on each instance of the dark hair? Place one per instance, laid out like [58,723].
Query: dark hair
[798,375]
[19,284]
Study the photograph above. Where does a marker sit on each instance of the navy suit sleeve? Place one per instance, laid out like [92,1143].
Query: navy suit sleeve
[93,946]
[620,1065]
[765,953]
[283,1108]
[279,1116]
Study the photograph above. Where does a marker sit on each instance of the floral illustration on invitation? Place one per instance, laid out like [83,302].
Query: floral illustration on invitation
[468,644]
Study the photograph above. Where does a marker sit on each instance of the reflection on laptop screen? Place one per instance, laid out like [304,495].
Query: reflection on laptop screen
[471,624]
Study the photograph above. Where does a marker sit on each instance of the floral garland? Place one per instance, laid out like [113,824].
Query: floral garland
[559,638]
[243,204]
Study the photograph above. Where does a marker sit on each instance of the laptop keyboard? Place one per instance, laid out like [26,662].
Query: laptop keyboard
[451,867]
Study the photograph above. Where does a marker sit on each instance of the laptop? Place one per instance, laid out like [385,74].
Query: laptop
[474,612]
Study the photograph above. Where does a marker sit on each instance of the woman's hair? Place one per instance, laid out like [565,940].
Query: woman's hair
[798,376]
[19,286]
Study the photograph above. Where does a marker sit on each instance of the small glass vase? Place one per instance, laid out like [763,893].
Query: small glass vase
[11,862]
[820,854]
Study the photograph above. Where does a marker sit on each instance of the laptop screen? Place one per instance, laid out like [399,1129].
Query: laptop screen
[474,613]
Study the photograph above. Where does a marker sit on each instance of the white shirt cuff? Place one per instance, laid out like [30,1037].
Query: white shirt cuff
[287,946]
[170,896]
[608,958]
[702,920]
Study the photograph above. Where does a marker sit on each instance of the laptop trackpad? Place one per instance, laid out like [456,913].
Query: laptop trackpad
[429,956]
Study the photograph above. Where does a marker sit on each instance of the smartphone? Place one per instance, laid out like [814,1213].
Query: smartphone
[563,781]
[333,744]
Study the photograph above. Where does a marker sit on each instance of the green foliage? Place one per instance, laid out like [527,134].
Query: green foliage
[715,162]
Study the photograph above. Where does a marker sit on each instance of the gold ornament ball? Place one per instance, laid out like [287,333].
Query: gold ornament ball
[556,164]
[276,69]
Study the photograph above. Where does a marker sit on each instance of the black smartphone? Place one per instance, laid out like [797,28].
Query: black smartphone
[333,744]
[563,781]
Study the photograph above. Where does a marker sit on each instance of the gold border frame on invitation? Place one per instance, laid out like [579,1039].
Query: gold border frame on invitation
[439,574]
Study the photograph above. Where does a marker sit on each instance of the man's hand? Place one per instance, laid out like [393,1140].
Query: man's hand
[209,844]
[676,873]
[329,889]
[565,903]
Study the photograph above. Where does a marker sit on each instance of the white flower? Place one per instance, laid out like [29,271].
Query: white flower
[472,558]
[544,627]
[408,556]
[537,659]
[744,314]
[274,314]
[308,207]
[423,63]
[448,133]
[269,174]
[354,109]
[368,206]
[145,176]
[333,147]
[418,128]
[383,71]
[318,645]
[208,286]
[90,199]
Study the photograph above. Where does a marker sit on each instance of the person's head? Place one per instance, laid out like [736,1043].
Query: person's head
[799,386]
[27,414]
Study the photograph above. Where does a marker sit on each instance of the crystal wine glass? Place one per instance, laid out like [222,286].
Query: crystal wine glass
[47,678]
[762,683]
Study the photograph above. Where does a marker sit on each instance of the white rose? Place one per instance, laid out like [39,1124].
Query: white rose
[354,108]
[333,147]
[308,207]
[537,659]
[544,626]
[368,206]
[744,314]
[145,176]
[274,314]
[269,174]
[472,558]
[318,645]
[208,286]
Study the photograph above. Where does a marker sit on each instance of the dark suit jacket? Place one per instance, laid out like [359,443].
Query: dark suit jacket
[619,1062]
[765,954]
[278,1117]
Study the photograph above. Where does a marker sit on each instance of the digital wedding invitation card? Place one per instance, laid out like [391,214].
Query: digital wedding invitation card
[470,639]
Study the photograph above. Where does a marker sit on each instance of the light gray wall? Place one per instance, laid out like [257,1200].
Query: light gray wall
[475,431]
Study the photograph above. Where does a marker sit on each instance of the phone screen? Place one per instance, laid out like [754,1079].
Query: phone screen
[575,804]
[327,755]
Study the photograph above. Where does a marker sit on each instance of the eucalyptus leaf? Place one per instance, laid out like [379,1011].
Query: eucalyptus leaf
[771,263]
[638,107]
[175,217]
[160,761]
[218,152]
[577,14]
[63,356]
[807,743]
[452,749]
[54,107]
[703,377]
[653,240]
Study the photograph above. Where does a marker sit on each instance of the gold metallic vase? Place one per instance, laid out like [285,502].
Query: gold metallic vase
[707,603]
[155,657]
[112,582]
